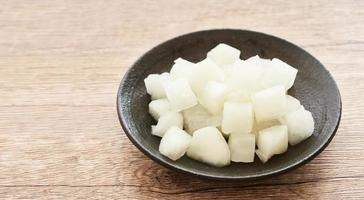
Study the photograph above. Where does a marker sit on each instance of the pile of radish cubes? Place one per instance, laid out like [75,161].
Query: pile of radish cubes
[225,109]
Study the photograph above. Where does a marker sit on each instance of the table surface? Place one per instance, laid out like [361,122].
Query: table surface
[60,66]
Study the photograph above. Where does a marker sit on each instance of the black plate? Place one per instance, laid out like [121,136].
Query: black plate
[314,87]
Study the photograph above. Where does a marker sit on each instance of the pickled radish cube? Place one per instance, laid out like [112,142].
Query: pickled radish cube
[262,156]
[258,61]
[166,121]
[258,126]
[182,69]
[269,104]
[292,104]
[198,117]
[245,75]
[237,118]
[265,124]
[213,97]
[159,107]
[174,143]
[154,84]
[273,140]
[279,73]
[204,72]
[300,125]
[242,147]
[180,94]
[265,62]
[209,146]
[224,54]
[240,96]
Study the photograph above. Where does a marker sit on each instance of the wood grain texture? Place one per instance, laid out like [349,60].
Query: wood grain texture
[60,66]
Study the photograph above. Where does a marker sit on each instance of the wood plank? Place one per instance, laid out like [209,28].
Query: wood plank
[325,189]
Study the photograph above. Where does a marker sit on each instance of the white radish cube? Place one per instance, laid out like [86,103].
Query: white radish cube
[166,121]
[239,96]
[279,73]
[209,146]
[154,84]
[273,140]
[198,117]
[180,94]
[159,107]
[300,125]
[213,96]
[174,143]
[269,104]
[242,147]
[263,125]
[245,75]
[224,54]
[182,69]
[262,156]
[292,104]
[265,62]
[204,72]
[237,118]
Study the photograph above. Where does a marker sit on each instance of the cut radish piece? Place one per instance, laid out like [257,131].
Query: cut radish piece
[198,117]
[159,107]
[213,96]
[209,146]
[279,73]
[273,140]
[179,94]
[154,84]
[166,121]
[245,75]
[242,147]
[205,71]
[223,54]
[269,104]
[174,143]
[182,69]
[237,118]
[300,125]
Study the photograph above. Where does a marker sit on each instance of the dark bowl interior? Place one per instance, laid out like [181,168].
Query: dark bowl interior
[314,87]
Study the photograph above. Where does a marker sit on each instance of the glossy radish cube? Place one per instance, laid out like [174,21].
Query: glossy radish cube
[182,69]
[180,94]
[262,156]
[154,84]
[273,140]
[239,96]
[198,117]
[213,97]
[224,54]
[159,107]
[258,126]
[269,104]
[245,75]
[292,104]
[174,143]
[204,72]
[300,125]
[209,146]
[237,118]
[279,73]
[242,147]
[166,121]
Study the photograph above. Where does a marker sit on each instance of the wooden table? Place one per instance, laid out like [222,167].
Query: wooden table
[60,66]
